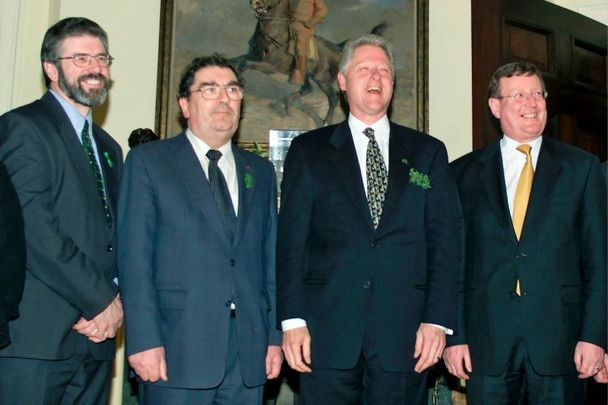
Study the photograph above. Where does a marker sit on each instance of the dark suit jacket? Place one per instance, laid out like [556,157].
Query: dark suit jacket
[70,257]
[178,269]
[560,259]
[12,255]
[342,276]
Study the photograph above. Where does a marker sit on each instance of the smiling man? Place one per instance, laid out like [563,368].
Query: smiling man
[65,170]
[367,257]
[197,232]
[533,316]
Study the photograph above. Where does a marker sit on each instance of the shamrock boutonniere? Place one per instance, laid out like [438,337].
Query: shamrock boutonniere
[248,180]
[417,178]
[108,159]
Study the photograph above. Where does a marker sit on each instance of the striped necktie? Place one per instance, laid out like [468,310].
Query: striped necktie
[88,148]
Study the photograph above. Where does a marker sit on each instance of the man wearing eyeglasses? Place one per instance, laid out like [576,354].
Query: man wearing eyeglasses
[65,170]
[196,233]
[533,318]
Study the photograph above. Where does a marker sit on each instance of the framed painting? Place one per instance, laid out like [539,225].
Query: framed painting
[254,35]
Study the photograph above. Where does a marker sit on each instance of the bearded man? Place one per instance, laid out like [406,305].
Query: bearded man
[65,170]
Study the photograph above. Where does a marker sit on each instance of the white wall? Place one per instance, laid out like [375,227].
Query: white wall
[450,75]
[133,29]
[596,9]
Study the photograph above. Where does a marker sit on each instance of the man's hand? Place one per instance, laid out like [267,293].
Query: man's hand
[274,359]
[588,359]
[104,325]
[455,357]
[150,365]
[430,341]
[110,319]
[602,376]
[88,329]
[296,346]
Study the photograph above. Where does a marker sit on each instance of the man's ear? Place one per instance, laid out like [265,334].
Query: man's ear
[183,104]
[341,81]
[51,71]
[494,104]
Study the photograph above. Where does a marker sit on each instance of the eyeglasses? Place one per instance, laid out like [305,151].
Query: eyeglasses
[214,91]
[84,59]
[522,95]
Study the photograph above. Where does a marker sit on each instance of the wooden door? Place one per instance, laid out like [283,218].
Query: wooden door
[570,50]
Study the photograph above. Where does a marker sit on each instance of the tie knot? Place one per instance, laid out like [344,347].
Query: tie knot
[369,132]
[214,155]
[525,149]
[85,127]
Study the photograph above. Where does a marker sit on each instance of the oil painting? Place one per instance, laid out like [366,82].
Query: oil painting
[255,35]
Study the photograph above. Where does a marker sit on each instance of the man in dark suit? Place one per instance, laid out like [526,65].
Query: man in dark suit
[534,307]
[197,233]
[65,171]
[367,256]
[12,255]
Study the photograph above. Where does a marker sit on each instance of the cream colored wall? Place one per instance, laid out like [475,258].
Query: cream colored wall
[450,76]
[132,27]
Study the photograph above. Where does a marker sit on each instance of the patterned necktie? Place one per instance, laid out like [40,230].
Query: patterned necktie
[377,177]
[88,148]
[221,194]
[522,196]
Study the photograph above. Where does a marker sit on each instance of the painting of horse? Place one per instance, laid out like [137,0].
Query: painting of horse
[255,35]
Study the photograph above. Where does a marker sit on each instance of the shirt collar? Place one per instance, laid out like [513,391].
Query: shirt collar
[507,143]
[76,119]
[381,127]
[201,148]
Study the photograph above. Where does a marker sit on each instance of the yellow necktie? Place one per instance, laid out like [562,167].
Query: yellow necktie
[522,196]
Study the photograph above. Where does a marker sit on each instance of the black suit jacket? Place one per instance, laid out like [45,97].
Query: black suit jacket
[70,249]
[12,255]
[178,269]
[344,277]
[560,259]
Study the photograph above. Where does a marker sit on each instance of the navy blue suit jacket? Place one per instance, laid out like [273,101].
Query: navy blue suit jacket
[178,269]
[71,260]
[347,279]
[560,260]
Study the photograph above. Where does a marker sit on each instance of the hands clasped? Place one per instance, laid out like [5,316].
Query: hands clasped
[104,325]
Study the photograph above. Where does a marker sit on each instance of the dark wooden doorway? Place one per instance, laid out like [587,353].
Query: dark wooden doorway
[569,48]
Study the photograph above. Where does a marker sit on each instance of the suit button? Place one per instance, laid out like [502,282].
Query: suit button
[109,248]
[374,244]
[232,262]
[367,284]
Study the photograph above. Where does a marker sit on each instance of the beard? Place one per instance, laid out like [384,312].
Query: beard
[76,92]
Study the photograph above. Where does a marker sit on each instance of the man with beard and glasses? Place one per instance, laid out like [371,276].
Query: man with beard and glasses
[65,170]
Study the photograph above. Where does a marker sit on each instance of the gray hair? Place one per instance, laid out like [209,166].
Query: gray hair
[369,39]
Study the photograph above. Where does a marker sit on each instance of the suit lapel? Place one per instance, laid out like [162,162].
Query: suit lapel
[343,158]
[191,173]
[547,170]
[491,177]
[246,176]
[74,149]
[398,176]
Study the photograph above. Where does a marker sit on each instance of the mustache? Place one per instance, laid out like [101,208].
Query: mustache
[94,76]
